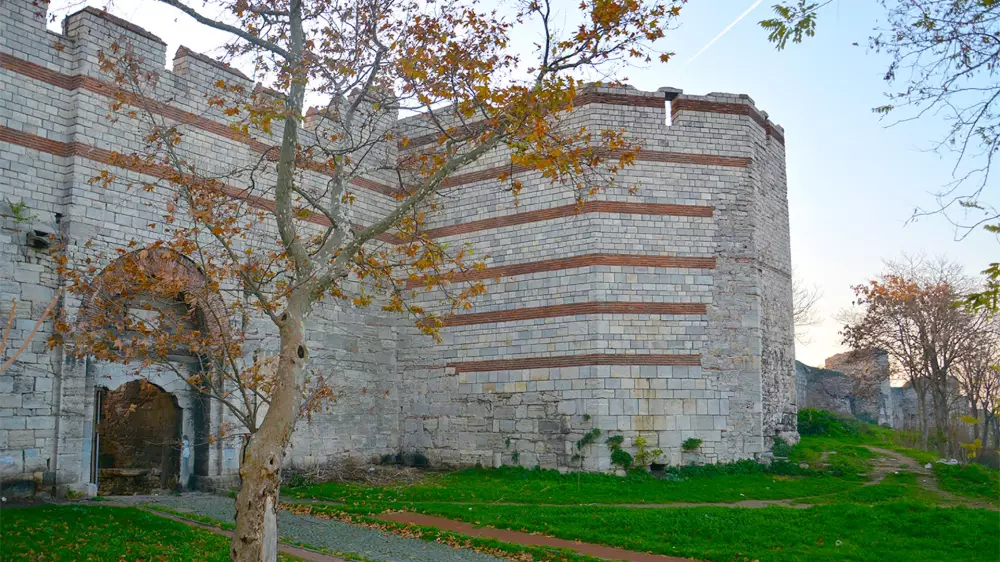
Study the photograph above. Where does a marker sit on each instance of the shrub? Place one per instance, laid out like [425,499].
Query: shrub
[644,456]
[691,444]
[781,448]
[296,480]
[620,457]
[821,422]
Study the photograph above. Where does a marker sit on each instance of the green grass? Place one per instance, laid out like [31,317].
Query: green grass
[901,486]
[724,484]
[905,532]
[78,532]
[842,457]
[973,481]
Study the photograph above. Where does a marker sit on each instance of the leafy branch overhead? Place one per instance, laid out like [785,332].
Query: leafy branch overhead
[792,21]
[944,57]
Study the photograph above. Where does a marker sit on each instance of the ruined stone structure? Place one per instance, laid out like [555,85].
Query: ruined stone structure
[665,314]
[869,371]
[823,389]
[853,384]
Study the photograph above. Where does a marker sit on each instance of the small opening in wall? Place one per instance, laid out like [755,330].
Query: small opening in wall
[669,118]
[39,240]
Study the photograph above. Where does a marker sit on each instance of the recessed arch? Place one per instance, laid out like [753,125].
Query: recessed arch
[159,269]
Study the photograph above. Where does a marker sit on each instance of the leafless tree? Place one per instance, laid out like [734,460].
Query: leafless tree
[804,301]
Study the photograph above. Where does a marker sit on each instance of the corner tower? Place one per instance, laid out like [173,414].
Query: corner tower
[664,315]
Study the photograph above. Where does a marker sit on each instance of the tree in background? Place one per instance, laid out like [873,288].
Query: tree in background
[979,379]
[804,315]
[912,312]
[230,258]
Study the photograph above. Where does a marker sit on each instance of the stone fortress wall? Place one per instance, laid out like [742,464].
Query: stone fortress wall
[665,314]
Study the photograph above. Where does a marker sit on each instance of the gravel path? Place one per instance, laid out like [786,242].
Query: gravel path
[333,535]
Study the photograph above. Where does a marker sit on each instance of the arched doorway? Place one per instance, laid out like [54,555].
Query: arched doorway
[145,407]
[139,439]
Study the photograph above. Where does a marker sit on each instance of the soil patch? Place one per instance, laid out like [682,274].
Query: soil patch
[595,550]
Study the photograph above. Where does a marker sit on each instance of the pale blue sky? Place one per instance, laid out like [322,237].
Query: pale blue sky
[852,182]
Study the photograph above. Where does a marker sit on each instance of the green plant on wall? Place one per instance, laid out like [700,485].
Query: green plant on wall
[587,439]
[516,455]
[619,457]
[691,444]
[643,456]
[20,212]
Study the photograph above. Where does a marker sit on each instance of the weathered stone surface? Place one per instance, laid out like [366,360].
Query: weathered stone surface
[664,314]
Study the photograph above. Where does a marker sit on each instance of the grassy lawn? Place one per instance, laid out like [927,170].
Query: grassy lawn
[973,481]
[727,483]
[895,531]
[86,532]
[901,486]
[898,518]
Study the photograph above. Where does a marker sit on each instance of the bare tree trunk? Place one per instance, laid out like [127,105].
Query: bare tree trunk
[922,416]
[256,538]
[940,399]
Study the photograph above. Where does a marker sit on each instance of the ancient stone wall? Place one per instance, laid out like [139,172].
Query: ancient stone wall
[869,373]
[664,314]
[823,389]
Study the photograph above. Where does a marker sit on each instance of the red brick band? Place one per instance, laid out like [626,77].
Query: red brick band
[704,106]
[103,156]
[68,149]
[562,211]
[619,99]
[574,262]
[488,174]
[579,101]
[576,361]
[98,87]
[560,310]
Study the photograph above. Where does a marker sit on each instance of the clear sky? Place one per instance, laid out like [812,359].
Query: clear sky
[853,182]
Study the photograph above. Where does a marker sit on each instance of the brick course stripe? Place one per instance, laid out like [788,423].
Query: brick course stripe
[79,81]
[571,210]
[704,106]
[579,101]
[69,149]
[552,362]
[90,84]
[101,155]
[574,262]
[457,180]
[560,310]
[619,99]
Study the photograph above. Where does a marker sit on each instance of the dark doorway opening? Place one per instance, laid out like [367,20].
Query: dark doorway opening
[139,439]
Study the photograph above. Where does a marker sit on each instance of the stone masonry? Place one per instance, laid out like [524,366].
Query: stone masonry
[665,314]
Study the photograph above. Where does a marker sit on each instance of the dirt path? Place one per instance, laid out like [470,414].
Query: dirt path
[891,461]
[595,550]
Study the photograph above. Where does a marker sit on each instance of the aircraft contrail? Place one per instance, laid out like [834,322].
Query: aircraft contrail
[724,31]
